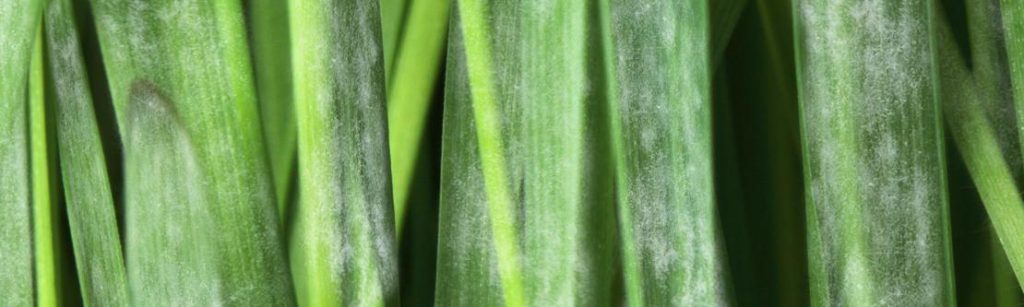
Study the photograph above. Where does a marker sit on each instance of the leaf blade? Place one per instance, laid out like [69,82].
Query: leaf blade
[18,21]
[521,135]
[194,54]
[90,205]
[869,118]
[660,61]
[343,243]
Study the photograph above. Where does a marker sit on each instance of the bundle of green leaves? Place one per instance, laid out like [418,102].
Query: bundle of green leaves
[511,153]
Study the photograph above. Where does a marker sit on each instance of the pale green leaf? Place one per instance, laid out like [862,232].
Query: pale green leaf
[168,216]
[193,58]
[18,23]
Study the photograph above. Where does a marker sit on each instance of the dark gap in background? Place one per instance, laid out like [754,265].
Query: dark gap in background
[418,242]
[757,141]
[600,233]
[975,248]
[955,12]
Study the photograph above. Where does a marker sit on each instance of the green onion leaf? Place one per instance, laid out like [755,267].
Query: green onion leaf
[413,76]
[526,212]
[974,100]
[184,65]
[659,57]
[878,221]
[18,23]
[343,245]
[272,62]
[1013,35]
[90,204]
[46,209]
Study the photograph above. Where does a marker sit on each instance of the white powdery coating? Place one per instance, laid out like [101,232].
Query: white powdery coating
[18,21]
[1000,71]
[169,262]
[90,204]
[548,107]
[193,52]
[661,52]
[466,254]
[346,186]
[875,169]
[537,66]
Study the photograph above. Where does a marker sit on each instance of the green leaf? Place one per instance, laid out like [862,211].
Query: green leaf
[46,210]
[90,204]
[526,217]
[878,221]
[413,76]
[272,62]
[974,102]
[393,23]
[1013,35]
[1005,284]
[343,249]
[168,212]
[415,58]
[191,57]
[659,60]
[18,23]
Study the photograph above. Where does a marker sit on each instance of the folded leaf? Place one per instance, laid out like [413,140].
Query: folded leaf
[415,60]
[193,54]
[878,219]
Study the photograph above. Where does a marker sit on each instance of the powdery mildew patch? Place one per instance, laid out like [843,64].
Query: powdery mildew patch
[345,216]
[18,23]
[195,53]
[873,144]
[662,68]
[537,79]
[90,205]
[166,211]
